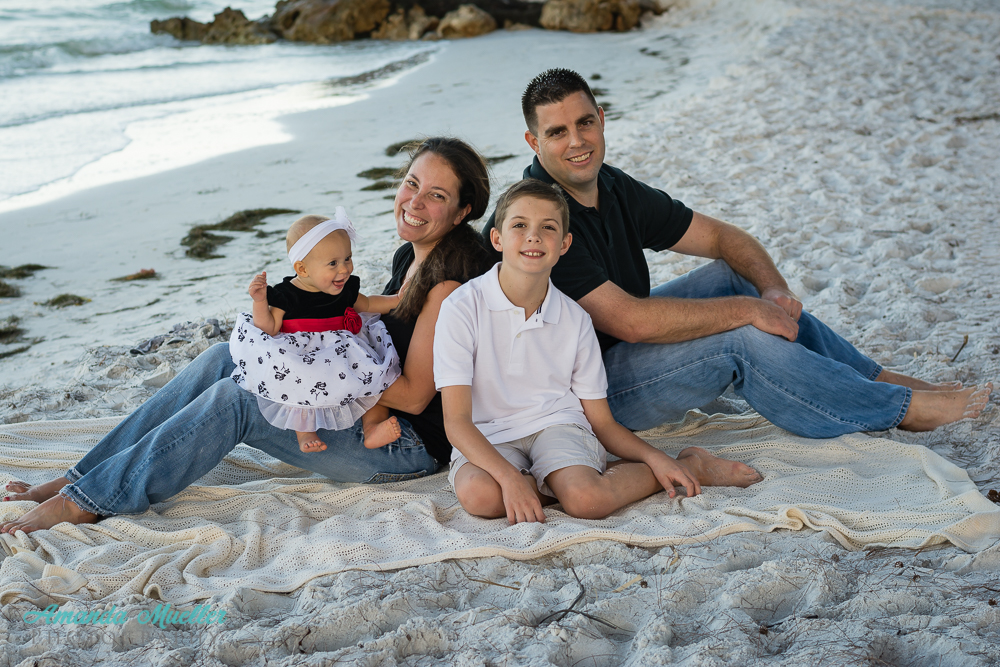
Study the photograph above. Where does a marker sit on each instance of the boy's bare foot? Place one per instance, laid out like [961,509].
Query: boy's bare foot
[309,441]
[913,383]
[930,409]
[53,511]
[711,470]
[18,490]
[382,433]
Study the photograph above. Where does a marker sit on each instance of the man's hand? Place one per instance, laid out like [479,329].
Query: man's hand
[258,287]
[521,501]
[784,298]
[771,318]
[670,474]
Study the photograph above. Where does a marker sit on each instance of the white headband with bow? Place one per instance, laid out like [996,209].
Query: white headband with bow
[320,232]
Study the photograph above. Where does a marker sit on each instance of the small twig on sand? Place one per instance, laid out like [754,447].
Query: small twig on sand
[562,613]
[628,583]
[965,341]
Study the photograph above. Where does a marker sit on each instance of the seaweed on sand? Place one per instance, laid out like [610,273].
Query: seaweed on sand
[395,148]
[380,185]
[23,271]
[141,274]
[201,243]
[64,300]
[10,332]
[8,290]
[378,173]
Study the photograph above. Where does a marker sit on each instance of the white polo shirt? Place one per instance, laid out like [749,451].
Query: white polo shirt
[526,375]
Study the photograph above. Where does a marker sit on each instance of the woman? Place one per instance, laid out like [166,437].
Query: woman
[187,427]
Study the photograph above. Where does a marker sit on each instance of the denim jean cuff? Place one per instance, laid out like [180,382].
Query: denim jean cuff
[81,500]
[904,408]
[875,373]
[73,475]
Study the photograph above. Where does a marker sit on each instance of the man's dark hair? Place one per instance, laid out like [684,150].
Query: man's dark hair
[531,187]
[550,87]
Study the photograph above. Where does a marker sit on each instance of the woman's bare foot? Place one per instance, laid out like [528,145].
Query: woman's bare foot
[18,490]
[913,383]
[309,441]
[53,511]
[930,409]
[710,470]
[382,433]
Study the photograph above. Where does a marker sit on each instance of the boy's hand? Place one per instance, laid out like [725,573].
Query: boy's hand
[669,474]
[521,501]
[258,287]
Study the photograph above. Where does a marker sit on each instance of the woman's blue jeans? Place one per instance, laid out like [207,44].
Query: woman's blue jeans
[186,428]
[820,386]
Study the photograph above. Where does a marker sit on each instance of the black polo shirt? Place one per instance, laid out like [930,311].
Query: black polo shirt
[608,243]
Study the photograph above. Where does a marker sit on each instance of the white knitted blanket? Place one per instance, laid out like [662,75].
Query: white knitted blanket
[257,523]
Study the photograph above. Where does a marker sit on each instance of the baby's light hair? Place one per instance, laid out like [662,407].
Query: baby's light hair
[300,227]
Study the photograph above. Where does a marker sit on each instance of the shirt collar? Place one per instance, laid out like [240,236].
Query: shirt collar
[496,300]
[605,181]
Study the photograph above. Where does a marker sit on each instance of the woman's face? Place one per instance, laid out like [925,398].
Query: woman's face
[426,205]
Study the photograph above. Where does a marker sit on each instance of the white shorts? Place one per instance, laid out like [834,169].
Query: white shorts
[543,453]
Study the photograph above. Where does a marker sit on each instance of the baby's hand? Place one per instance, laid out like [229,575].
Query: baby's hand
[258,287]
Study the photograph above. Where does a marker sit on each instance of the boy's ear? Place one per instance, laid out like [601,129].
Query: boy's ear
[495,240]
[566,243]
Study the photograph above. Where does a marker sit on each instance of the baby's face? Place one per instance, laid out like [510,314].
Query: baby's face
[328,265]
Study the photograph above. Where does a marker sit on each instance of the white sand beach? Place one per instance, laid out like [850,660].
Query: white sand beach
[859,141]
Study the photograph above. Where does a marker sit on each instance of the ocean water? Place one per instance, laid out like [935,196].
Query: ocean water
[89,96]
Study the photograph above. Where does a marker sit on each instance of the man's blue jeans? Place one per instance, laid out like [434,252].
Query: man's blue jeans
[820,386]
[187,427]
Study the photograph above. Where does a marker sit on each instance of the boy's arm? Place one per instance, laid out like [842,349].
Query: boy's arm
[624,444]
[265,318]
[519,497]
[376,304]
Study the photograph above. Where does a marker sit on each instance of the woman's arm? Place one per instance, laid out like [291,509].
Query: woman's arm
[414,389]
[376,304]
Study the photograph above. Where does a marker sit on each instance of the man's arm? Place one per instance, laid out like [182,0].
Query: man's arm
[671,320]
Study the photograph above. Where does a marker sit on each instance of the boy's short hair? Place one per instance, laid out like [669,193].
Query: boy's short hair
[551,87]
[532,187]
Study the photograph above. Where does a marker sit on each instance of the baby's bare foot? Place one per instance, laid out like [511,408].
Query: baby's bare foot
[18,490]
[913,383]
[381,434]
[53,511]
[309,442]
[930,409]
[711,470]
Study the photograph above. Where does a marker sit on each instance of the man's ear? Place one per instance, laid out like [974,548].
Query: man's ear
[566,243]
[600,114]
[495,240]
[533,140]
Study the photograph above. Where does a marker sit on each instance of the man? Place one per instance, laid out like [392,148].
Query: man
[733,321]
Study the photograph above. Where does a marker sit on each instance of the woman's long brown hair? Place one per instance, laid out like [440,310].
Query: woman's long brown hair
[460,255]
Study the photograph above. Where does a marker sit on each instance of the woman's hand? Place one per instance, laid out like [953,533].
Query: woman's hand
[258,287]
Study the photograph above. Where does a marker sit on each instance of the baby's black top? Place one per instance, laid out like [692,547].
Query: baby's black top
[299,304]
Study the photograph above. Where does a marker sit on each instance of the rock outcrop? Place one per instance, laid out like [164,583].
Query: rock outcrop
[231,26]
[590,15]
[466,21]
[403,24]
[327,21]
[180,27]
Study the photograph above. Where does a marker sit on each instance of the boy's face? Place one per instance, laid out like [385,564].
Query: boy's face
[531,236]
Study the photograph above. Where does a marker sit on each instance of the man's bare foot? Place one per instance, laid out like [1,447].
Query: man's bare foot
[913,383]
[930,409]
[382,433]
[53,511]
[710,470]
[309,441]
[18,490]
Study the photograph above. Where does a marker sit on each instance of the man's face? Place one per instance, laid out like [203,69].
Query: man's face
[570,141]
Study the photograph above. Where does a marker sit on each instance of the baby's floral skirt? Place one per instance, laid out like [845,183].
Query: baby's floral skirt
[314,380]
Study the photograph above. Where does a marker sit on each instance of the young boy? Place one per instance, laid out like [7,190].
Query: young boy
[524,390]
